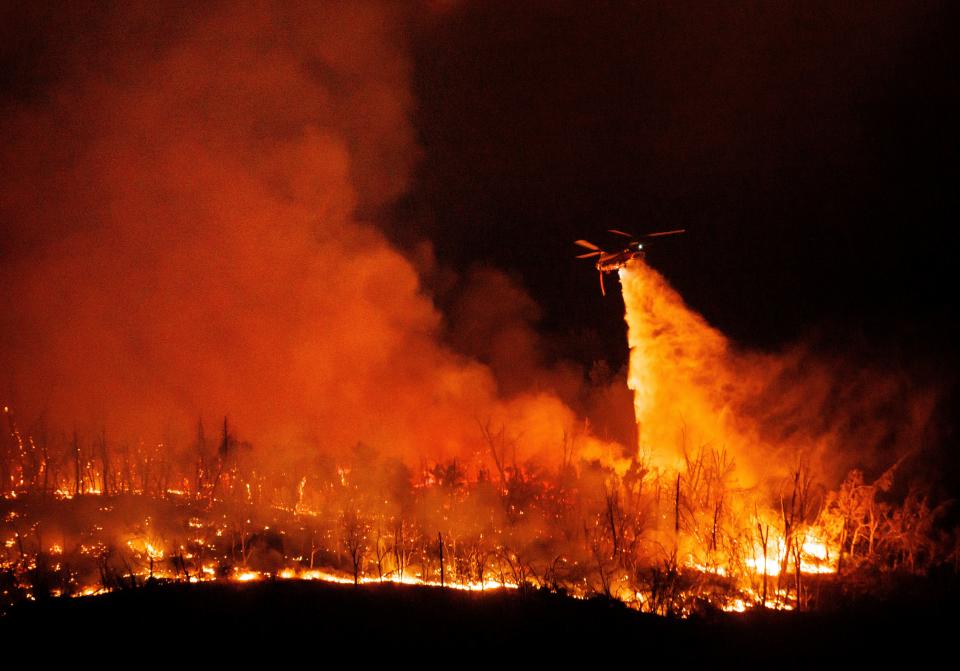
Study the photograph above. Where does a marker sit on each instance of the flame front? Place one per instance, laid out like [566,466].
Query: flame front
[705,509]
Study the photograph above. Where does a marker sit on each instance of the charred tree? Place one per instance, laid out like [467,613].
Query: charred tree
[440,546]
[104,464]
[77,465]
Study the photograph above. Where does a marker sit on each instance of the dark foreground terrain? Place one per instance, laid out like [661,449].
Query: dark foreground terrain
[174,622]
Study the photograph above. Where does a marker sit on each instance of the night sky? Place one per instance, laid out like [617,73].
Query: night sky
[809,149]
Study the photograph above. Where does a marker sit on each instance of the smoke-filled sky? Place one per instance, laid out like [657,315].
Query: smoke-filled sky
[323,218]
[188,234]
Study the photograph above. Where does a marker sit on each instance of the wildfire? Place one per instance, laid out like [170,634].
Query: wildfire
[700,511]
[690,393]
[813,557]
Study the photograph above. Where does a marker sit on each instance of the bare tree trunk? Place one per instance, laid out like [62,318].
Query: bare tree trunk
[381,549]
[797,550]
[440,542]
[676,508]
[843,540]
[200,473]
[221,459]
[6,448]
[716,518]
[613,510]
[77,471]
[46,464]
[399,547]
[764,532]
[105,465]
[314,548]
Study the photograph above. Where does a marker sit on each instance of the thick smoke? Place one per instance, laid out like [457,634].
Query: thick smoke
[187,234]
[184,237]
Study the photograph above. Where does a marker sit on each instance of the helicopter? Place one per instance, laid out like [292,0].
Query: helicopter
[607,262]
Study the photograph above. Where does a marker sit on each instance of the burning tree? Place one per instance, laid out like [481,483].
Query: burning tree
[683,520]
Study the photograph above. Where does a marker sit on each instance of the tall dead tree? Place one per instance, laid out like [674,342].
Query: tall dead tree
[440,545]
[763,531]
[354,537]
[6,453]
[104,463]
[222,453]
[200,474]
[676,508]
[77,469]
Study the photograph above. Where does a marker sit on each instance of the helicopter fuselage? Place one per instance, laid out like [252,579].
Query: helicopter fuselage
[609,262]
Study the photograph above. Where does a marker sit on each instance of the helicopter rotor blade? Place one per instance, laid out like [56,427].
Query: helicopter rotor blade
[616,232]
[588,245]
[663,233]
[588,255]
[603,291]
